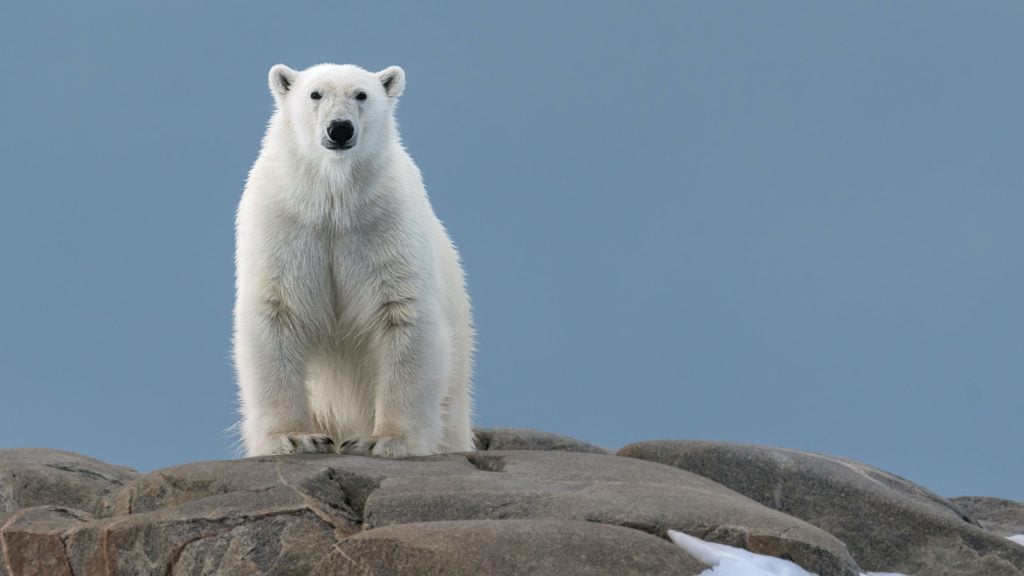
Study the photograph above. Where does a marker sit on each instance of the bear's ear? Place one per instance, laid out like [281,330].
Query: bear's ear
[281,80]
[393,79]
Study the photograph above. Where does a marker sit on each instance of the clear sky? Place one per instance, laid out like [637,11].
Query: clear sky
[785,223]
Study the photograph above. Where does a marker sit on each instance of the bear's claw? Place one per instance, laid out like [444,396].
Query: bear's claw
[382,446]
[304,444]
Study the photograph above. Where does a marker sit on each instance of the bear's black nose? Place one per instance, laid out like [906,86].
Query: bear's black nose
[340,132]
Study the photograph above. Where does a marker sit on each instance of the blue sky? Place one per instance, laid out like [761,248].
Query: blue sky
[785,223]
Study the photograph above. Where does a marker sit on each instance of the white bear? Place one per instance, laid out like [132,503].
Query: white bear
[352,322]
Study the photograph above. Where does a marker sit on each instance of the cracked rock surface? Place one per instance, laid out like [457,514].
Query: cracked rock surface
[527,503]
[889,523]
[35,476]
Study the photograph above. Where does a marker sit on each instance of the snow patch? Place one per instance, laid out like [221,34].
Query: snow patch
[728,561]
[1019,539]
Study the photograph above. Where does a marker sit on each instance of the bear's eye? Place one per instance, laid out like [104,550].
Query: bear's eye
[315,95]
[360,95]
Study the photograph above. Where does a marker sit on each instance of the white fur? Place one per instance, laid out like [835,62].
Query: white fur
[351,316]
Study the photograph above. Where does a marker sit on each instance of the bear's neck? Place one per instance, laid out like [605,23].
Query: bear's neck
[344,192]
[354,177]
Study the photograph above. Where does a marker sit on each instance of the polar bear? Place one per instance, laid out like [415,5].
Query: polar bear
[351,322]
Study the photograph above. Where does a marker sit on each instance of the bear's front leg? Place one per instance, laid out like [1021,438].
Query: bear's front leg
[270,359]
[412,366]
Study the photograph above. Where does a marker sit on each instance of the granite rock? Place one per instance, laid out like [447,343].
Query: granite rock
[525,439]
[512,547]
[1004,517]
[889,523]
[527,503]
[39,476]
[296,515]
[599,488]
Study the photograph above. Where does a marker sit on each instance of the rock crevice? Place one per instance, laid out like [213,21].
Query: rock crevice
[527,503]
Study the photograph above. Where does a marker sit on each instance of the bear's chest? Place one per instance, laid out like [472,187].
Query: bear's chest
[337,265]
[360,269]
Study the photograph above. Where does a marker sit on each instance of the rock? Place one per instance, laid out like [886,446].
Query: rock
[559,506]
[306,514]
[38,476]
[374,493]
[889,523]
[523,439]
[1004,517]
[598,488]
[526,547]
[277,531]
[304,475]
[31,540]
[255,516]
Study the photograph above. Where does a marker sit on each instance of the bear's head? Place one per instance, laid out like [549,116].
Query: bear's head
[337,111]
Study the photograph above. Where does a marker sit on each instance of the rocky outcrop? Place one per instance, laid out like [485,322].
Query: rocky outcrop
[1004,517]
[889,524]
[520,439]
[527,503]
[36,477]
[511,547]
